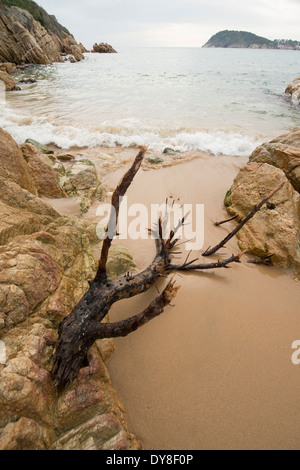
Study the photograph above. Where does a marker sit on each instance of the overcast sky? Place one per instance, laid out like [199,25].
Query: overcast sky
[178,23]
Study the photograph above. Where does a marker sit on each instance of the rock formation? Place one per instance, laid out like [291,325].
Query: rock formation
[45,264]
[25,39]
[275,230]
[293,89]
[103,48]
[81,180]
[284,153]
[10,84]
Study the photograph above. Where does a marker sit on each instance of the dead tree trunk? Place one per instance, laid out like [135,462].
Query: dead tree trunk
[79,330]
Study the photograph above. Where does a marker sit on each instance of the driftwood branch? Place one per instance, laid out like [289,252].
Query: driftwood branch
[217,224]
[83,326]
[266,261]
[115,202]
[211,251]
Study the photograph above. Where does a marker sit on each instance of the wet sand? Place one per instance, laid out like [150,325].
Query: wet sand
[214,371]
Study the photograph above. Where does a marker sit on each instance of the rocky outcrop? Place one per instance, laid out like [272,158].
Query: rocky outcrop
[42,172]
[10,84]
[293,89]
[284,153]
[103,48]
[81,180]
[8,67]
[275,230]
[24,39]
[82,48]
[46,262]
[12,164]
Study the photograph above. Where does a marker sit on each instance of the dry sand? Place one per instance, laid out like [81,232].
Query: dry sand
[214,371]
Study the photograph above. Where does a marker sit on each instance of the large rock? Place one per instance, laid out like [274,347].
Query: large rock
[284,153]
[12,164]
[21,212]
[76,52]
[43,174]
[42,148]
[275,230]
[81,180]
[293,89]
[10,84]
[8,67]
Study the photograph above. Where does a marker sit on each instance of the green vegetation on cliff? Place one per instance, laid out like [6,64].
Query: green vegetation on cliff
[244,39]
[28,5]
[49,22]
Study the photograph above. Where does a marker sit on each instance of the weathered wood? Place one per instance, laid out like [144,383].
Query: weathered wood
[210,251]
[82,327]
[217,224]
[115,202]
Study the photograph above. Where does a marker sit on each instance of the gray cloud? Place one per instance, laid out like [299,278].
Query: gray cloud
[131,22]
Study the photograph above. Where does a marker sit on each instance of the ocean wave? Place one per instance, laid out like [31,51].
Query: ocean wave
[126,132]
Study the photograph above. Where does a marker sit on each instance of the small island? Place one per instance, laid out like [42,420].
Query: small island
[246,40]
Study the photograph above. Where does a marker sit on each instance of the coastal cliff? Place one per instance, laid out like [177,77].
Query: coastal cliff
[30,35]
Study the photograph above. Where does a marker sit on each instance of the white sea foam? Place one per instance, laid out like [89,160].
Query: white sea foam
[126,132]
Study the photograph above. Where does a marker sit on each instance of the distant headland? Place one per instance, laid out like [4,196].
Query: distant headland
[246,40]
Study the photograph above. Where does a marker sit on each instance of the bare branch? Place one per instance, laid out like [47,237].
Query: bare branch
[257,208]
[218,264]
[119,192]
[125,327]
[217,224]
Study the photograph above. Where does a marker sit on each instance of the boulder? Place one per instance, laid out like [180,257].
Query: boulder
[21,212]
[76,52]
[119,262]
[65,157]
[42,173]
[13,165]
[153,160]
[42,148]
[8,67]
[293,89]
[275,229]
[81,179]
[284,153]
[10,84]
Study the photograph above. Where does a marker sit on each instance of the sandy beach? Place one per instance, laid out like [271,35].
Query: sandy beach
[215,370]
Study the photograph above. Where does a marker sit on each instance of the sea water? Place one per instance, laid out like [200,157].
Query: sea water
[224,101]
